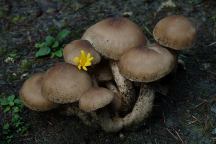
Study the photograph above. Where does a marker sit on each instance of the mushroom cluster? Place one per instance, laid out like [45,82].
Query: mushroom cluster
[101,70]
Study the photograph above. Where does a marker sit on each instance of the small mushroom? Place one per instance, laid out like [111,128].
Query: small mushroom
[31,95]
[175,32]
[64,83]
[95,98]
[74,48]
[147,64]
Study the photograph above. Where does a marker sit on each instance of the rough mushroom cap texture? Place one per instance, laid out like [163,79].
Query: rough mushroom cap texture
[31,95]
[64,83]
[176,32]
[114,36]
[73,49]
[95,98]
[147,64]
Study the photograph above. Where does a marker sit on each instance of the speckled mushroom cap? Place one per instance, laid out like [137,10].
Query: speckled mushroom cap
[73,49]
[31,96]
[95,98]
[64,83]
[176,32]
[114,36]
[147,64]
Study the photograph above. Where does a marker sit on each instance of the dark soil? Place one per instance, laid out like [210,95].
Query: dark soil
[186,115]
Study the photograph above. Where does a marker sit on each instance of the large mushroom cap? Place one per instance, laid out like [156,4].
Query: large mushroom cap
[114,36]
[95,98]
[73,49]
[147,64]
[64,83]
[31,96]
[175,32]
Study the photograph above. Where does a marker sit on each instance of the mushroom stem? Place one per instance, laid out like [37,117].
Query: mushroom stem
[142,107]
[107,123]
[116,102]
[125,88]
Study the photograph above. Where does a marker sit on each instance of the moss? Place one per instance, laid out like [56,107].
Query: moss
[17,19]
[25,65]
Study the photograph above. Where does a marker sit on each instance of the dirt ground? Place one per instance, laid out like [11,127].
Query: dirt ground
[186,115]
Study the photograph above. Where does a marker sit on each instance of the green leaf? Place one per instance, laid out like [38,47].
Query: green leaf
[40,45]
[49,41]
[6,109]
[58,53]
[43,52]
[62,35]
[4,102]
[11,103]
[9,139]
[16,109]
[6,126]
[52,55]
[24,129]
[11,98]
[17,124]
[55,45]
[17,101]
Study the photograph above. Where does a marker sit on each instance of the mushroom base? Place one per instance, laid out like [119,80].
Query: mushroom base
[108,123]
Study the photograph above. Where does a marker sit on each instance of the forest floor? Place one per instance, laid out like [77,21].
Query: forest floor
[186,115]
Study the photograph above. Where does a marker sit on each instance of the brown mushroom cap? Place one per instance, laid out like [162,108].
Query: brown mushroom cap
[114,36]
[64,83]
[73,49]
[31,96]
[176,32]
[147,64]
[95,98]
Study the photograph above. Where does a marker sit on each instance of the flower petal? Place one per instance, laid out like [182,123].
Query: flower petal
[84,68]
[79,67]
[88,55]
[87,63]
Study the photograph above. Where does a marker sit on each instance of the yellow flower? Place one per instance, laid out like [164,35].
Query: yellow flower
[83,60]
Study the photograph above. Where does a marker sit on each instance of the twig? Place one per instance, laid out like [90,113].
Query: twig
[192,122]
[176,138]
[179,136]
[195,120]
[211,44]
[147,30]
[200,104]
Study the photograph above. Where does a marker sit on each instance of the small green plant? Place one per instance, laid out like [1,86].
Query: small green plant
[52,46]
[12,121]
[18,19]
